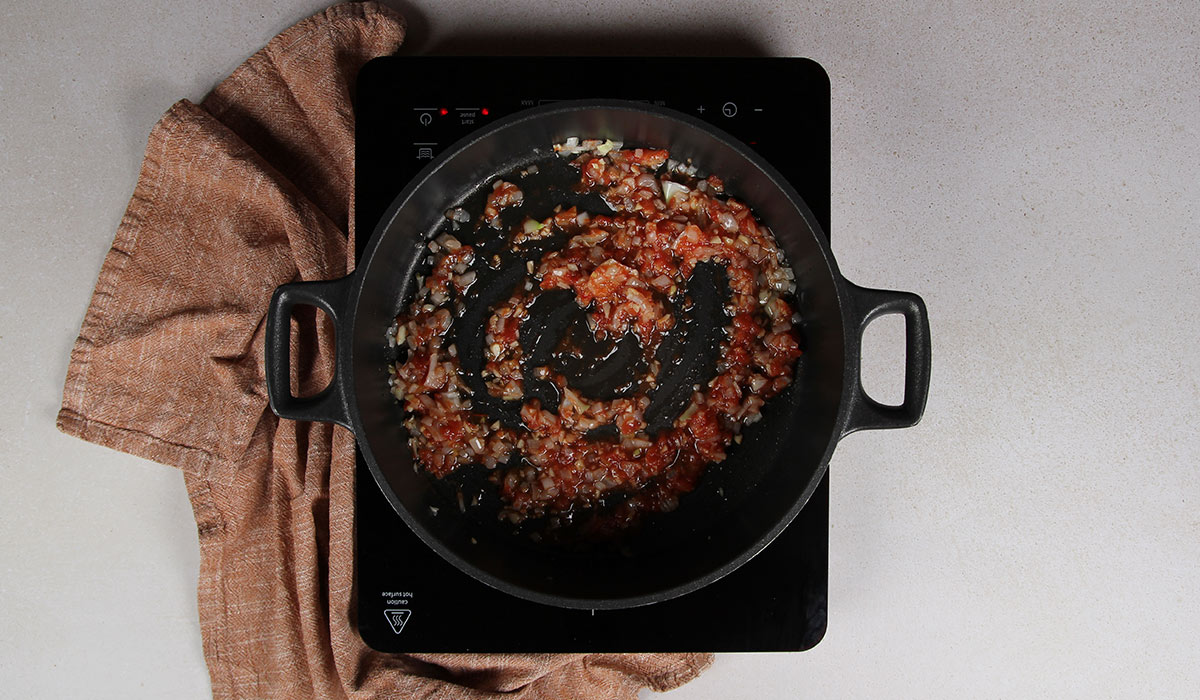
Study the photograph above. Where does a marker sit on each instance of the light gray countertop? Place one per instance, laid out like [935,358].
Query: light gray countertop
[1033,173]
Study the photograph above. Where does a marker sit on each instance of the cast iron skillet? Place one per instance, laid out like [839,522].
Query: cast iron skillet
[741,504]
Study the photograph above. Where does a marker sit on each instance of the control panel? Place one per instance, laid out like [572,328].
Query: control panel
[778,106]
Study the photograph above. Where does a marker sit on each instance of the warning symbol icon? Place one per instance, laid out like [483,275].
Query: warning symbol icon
[397,619]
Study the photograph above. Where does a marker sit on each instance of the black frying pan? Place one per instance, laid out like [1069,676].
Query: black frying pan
[740,505]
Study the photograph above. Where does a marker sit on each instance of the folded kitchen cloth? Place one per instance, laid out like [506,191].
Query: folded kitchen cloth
[250,189]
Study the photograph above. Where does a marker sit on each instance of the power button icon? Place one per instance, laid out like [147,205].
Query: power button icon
[729,109]
[425,118]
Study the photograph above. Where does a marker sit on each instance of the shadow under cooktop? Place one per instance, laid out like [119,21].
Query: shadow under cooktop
[593,35]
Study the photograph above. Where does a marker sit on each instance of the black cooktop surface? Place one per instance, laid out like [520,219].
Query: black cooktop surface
[409,109]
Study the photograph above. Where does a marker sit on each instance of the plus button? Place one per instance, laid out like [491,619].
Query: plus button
[700,109]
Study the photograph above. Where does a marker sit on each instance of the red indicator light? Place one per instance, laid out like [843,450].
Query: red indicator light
[484,111]
[444,111]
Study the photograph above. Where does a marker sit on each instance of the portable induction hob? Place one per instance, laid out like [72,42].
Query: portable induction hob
[407,110]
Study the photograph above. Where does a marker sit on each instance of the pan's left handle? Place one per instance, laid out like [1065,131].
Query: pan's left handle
[329,405]
[867,413]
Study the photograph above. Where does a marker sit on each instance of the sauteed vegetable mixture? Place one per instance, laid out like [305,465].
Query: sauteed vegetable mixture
[626,273]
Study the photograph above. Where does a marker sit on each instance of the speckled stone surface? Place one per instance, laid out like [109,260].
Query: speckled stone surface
[1033,173]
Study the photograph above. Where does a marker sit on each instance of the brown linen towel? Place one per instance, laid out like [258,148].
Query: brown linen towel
[248,190]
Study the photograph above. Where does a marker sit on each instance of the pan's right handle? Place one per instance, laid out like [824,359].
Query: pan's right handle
[867,413]
[329,405]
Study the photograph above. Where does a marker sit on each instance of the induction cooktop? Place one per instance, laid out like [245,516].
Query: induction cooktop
[408,109]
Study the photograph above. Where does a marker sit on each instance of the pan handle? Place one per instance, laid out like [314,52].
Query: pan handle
[329,405]
[867,413]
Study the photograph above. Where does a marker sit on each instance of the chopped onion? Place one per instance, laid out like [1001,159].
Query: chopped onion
[607,146]
[449,242]
[672,189]
[429,375]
